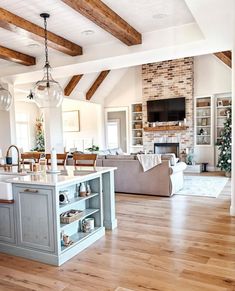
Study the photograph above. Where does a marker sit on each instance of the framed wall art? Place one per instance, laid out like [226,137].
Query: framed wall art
[71,121]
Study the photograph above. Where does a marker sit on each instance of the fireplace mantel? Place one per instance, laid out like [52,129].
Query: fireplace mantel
[166,128]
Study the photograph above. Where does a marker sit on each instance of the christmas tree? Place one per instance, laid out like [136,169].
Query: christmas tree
[224,161]
[40,142]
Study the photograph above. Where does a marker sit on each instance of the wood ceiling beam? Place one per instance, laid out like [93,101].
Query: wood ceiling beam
[225,57]
[106,18]
[17,57]
[72,84]
[28,29]
[96,84]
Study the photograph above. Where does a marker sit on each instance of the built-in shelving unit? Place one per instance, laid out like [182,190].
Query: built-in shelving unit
[203,121]
[74,201]
[79,237]
[91,206]
[137,125]
[222,104]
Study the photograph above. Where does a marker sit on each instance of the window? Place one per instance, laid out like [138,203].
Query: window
[113,134]
[22,131]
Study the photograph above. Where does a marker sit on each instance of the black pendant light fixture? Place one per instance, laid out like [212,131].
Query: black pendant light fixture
[47,93]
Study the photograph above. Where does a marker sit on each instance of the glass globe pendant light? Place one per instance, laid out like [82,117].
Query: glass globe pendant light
[47,93]
[5,99]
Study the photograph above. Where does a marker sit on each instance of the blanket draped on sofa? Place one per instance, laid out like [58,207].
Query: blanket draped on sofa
[149,161]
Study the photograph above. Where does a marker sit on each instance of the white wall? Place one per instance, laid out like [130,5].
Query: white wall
[127,91]
[91,122]
[5,131]
[211,76]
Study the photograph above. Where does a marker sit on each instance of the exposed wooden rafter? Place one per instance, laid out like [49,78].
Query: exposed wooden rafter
[72,84]
[225,57]
[17,57]
[23,27]
[106,18]
[96,84]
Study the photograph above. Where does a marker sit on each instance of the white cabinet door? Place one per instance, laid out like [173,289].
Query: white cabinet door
[35,227]
[7,227]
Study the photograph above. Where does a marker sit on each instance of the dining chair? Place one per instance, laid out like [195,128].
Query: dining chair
[84,160]
[26,158]
[61,159]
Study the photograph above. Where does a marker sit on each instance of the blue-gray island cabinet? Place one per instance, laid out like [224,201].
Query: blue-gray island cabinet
[31,227]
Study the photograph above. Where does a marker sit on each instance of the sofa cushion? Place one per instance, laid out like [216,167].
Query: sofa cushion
[112,151]
[119,151]
[104,152]
[121,157]
[171,157]
[101,157]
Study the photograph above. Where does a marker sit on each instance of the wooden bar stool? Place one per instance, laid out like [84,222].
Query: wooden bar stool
[61,159]
[84,160]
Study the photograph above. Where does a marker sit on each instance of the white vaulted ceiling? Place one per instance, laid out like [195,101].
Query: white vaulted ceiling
[69,24]
[152,15]
[169,28]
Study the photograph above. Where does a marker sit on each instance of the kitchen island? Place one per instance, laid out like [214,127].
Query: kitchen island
[31,226]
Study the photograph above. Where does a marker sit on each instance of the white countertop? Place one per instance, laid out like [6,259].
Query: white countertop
[67,174]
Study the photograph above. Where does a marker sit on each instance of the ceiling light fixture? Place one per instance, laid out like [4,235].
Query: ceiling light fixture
[47,93]
[33,45]
[88,32]
[5,99]
[160,16]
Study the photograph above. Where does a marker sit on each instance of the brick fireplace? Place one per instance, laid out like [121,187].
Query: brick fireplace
[169,79]
[164,148]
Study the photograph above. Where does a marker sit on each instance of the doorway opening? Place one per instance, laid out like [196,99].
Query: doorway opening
[117,128]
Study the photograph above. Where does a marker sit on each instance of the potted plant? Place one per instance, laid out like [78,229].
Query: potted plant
[93,149]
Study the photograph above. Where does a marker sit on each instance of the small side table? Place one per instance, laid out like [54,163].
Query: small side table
[204,167]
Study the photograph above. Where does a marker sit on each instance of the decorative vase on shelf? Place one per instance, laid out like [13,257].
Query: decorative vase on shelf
[82,191]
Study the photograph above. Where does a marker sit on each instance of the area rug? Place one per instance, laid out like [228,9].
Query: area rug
[203,186]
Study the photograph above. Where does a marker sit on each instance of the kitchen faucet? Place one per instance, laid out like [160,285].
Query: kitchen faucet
[18,156]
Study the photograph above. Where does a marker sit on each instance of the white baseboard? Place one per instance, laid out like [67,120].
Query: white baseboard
[232,211]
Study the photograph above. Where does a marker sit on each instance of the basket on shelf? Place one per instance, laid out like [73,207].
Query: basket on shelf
[226,102]
[137,125]
[70,216]
[203,104]
[138,108]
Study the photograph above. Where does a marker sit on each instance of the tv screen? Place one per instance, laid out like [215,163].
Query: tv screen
[166,110]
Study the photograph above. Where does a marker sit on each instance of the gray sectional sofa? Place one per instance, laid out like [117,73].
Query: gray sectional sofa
[164,179]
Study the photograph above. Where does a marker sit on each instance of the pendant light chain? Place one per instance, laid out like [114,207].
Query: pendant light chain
[47,65]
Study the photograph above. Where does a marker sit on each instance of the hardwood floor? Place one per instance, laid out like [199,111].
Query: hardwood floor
[179,243]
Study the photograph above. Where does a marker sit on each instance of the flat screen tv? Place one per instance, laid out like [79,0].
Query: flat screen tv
[166,110]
